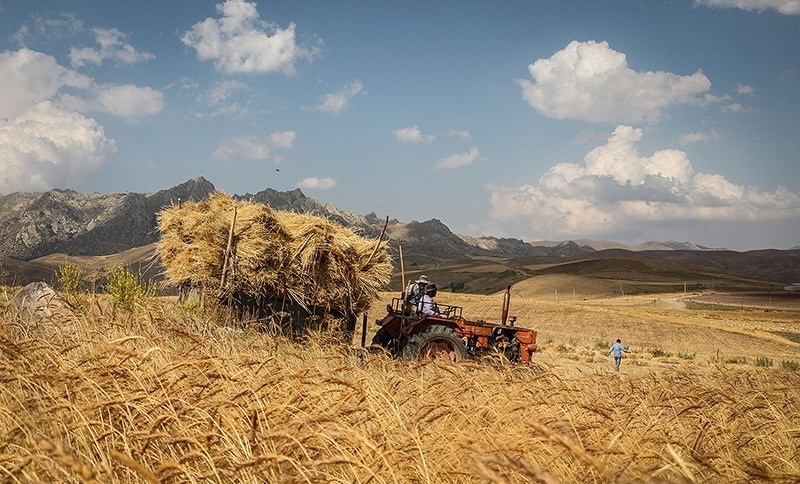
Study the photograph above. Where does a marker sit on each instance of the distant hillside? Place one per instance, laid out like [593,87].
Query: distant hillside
[38,231]
[37,224]
[64,221]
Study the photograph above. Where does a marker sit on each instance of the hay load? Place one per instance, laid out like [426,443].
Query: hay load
[302,258]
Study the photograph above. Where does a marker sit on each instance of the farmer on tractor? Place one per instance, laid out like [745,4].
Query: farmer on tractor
[427,304]
[433,331]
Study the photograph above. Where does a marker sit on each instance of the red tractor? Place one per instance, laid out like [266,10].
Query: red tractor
[407,334]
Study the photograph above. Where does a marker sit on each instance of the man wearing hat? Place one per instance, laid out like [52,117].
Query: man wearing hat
[415,290]
[427,305]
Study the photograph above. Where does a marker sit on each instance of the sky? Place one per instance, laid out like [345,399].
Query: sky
[625,120]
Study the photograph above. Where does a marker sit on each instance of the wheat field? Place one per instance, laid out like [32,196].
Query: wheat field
[166,394]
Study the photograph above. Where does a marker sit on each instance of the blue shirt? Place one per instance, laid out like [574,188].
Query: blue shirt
[617,348]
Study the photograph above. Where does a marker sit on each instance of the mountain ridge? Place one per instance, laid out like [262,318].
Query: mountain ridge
[35,225]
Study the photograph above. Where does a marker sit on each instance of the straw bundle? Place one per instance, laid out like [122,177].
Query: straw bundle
[277,255]
[331,264]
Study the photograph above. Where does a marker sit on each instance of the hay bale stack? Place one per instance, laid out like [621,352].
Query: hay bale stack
[277,255]
[331,264]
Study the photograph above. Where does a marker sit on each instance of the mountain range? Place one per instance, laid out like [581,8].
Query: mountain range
[35,225]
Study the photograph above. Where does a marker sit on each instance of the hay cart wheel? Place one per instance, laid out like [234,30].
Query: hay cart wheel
[435,342]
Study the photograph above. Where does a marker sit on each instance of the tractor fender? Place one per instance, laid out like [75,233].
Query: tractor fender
[434,321]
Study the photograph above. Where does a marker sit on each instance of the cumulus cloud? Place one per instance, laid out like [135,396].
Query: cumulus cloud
[412,134]
[590,81]
[48,147]
[318,183]
[698,137]
[254,147]
[29,77]
[338,101]
[786,7]
[113,45]
[458,160]
[46,142]
[745,89]
[617,188]
[240,42]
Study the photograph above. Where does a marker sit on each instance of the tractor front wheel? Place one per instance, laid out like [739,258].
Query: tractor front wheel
[435,342]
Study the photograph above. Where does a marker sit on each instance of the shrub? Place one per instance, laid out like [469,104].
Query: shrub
[763,361]
[127,288]
[70,277]
[458,286]
[735,360]
[790,365]
[686,356]
[658,352]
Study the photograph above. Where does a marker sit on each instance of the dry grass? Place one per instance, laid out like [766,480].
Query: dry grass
[278,255]
[165,395]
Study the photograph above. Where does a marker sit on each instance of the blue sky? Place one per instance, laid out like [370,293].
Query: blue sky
[627,120]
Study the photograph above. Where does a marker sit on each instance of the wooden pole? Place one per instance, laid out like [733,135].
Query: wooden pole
[364,330]
[227,252]
[378,244]
[402,273]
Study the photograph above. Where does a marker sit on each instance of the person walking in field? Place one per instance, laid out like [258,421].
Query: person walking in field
[617,349]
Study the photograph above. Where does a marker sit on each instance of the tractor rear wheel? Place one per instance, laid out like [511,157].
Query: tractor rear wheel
[435,342]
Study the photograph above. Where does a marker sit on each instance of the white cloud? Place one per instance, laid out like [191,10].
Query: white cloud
[254,147]
[50,27]
[412,134]
[745,89]
[113,46]
[240,42]
[222,90]
[121,100]
[616,189]
[786,7]
[47,147]
[698,137]
[454,133]
[458,160]
[129,101]
[736,108]
[29,77]
[590,81]
[338,101]
[318,183]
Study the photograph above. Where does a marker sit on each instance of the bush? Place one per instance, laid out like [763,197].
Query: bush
[735,360]
[70,278]
[686,356]
[790,365]
[458,286]
[127,288]
[763,361]
[658,352]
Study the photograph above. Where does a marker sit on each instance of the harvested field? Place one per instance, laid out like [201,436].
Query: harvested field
[166,394]
[765,301]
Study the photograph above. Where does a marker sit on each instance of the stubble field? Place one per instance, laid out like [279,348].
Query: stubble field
[167,394]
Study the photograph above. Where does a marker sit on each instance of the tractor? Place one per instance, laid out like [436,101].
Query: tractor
[407,334]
